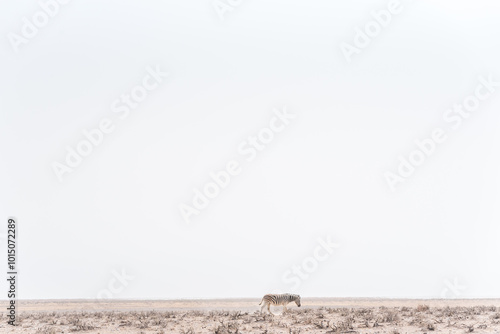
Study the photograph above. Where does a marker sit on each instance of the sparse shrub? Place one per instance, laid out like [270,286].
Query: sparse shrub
[227,328]
[423,308]
[235,315]
[46,330]
[390,316]
[190,330]
[79,325]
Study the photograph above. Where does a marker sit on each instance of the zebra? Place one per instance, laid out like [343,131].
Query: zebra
[282,299]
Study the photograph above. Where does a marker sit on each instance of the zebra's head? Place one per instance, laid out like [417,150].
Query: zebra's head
[297,300]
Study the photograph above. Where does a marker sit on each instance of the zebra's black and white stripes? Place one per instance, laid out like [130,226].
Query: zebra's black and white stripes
[282,299]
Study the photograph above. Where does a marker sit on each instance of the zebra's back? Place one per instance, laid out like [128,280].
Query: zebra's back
[281,299]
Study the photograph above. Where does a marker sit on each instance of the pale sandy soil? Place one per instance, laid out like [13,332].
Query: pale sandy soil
[317,315]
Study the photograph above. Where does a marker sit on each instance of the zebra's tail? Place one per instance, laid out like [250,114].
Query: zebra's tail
[261,300]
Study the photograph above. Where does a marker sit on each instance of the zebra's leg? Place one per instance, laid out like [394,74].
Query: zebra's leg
[284,309]
[269,308]
[262,307]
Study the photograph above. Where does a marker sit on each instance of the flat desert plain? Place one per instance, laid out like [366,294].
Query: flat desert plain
[317,315]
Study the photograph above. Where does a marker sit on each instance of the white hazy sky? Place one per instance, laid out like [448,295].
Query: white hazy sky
[322,176]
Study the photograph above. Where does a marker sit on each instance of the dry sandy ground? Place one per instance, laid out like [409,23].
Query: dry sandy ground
[317,315]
